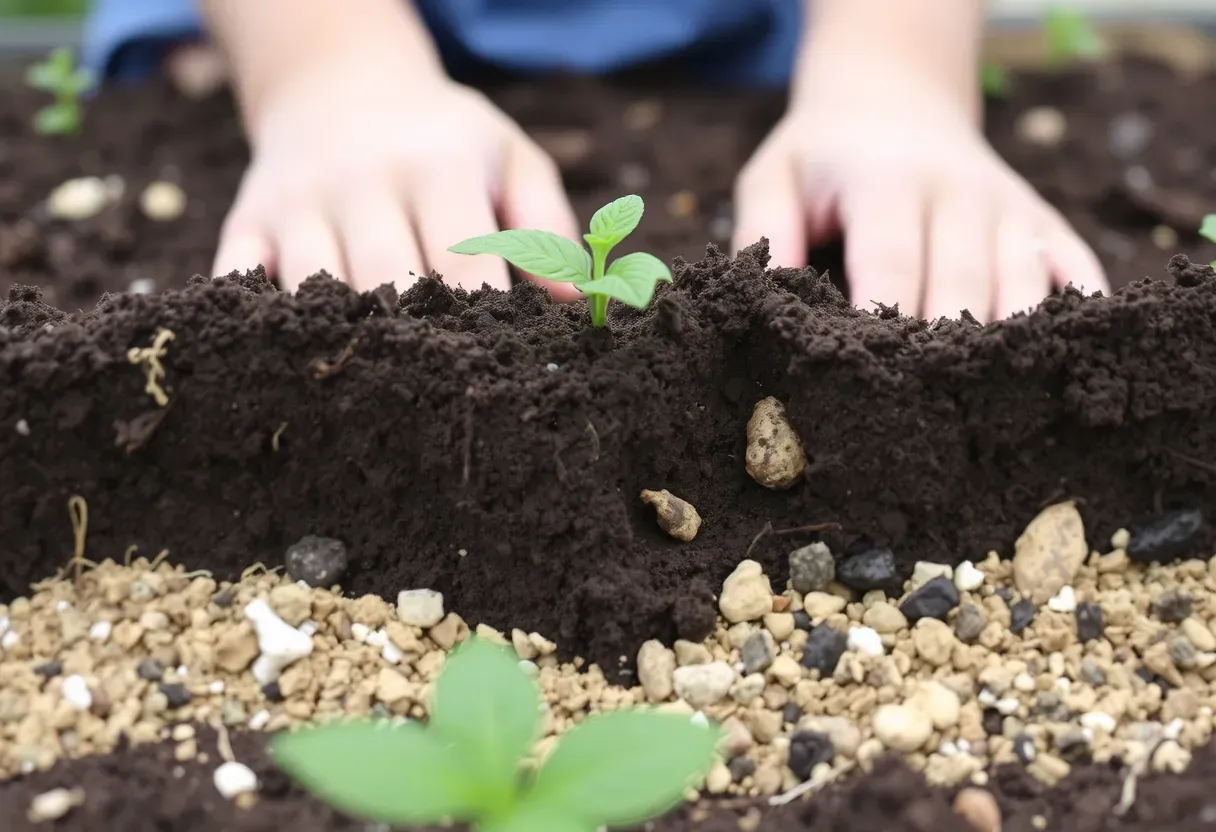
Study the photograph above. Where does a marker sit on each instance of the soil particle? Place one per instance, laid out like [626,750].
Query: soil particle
[317,561]
[676,517]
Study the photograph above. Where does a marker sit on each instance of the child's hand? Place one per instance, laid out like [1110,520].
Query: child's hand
[364,169]
[932,219]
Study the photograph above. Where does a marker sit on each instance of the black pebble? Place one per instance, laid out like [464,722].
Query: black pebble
[317,561]
[1021,614]
[177,695]
[49,670]
[1168,537]
[807,750]
[1172,606]
[224,598]
[934,599]
[993,721]
[1089,621]
[1023,746]
[870,569]
[741,767]
[1005,594]
[802,621]
[150,669]
[272,692]
[824,647]
[1153,679]
[791,713]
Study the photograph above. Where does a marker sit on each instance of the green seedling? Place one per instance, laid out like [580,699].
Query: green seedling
[1208,231]
[994,80]
[630,279]
[60,76]
[1070,36]
[467,763]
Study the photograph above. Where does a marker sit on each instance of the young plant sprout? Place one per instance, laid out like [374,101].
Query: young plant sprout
[1070,36]
[630,279]
[60,76]
[1208,230]
[994,80]
[465,765]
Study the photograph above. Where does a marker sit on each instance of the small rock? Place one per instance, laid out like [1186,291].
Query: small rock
[807,750]
[785,670]
[819,605]
[749,688]
[1042,126]
[292,603]
[54,804]
[142,286]
[237,648]
[812,568]
[162,201]
[1063,601]
[177,695]
[719,779]
[317,561]
[702,685]
[420,607]
[870,569]
[232,779]
[967,578]
[1024,748]
[902,727]
[939,702]
[1169,537]
[1092,673]
[757,652]
[656,666]
[803,620]
[780,624]
[741,767]
[690,652]
[746,594]
[49,670]
[925,571]
[392,687]
[933,600]
[1199,634]
[1049,552]
[677,517]
[934,641]
[1089,621]
[774,457]
[78,199]
[233,713]
[866,641]
[843,732]
[791,713]
[979,808]
[1172,606]
[1129,134]
[150,669]
[272,692]
[279,643]
[885,619]
[824,647]
[970,622]
[1021,615]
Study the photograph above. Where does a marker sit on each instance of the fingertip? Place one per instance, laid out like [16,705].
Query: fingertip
[767,206]
[243,251]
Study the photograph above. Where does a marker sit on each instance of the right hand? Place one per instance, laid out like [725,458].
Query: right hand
[370,169]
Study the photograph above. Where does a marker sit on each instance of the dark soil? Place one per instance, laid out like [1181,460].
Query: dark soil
[128,791]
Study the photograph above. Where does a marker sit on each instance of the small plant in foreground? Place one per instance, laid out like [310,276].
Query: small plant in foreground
[994,80]
[1070,36]
[615,769]
[630,279]
[1208,230]
[60,76]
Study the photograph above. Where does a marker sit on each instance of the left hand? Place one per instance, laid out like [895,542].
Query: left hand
[932,218]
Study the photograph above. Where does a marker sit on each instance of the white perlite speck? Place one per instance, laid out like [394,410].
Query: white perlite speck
[925,571]
[1099,722]
[23,427]
[420,607]
[100,632]
[54,805]
[77,199]
[1063,601]
[280,643]
[9,640]
[76,692]
[233,778]
[865,640]
[967,578]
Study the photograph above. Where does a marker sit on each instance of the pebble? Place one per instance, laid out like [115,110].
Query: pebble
[812,568]
[54,804]
[420,607]
[824,647]
[785,670]
[758,651]
[49,670]
[1099,722]
[1089,621]
[702,685]
[1129,134]
[177,695]
[843,732]
[279,644]
[1172,606]
[749,688]
[979,808]
[968,578]
[780,624]
[1063,601]
[1024,748]
[142,286]
[970,622]
[76,692]
[866,641]
[803,620]
[902,727]
[291,602]
[317,561]
[78,199]
[925,571]
[656,668]
[934,599]
[1042,126]
[870,569]
[150,669]
[162,201]
[100,631]
[746,594]
[1021,615]
[1199,634]
[232,779]
[1168,537]
[807,750]
[741,767]
[885,619]
[1049,553]
[719,779]
[1092,673]
[934,641]
[939,702]
[819,605]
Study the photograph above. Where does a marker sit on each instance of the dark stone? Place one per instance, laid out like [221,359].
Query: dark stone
[969,623]
[758,652]
[1171,536]
[791,713]
[1021,614]
[807,750]
[224,598]
[993,721]
[1005,594]
[823,650]
[1073,746]
[49,670]
[178,695]
[1089,621]
[741,766]
[150,669]
[802,621]
[1023,747]
[933,599]
[812,568]
[317,561]
[870,569]
[1153,679]
[1172,606]
[272,692]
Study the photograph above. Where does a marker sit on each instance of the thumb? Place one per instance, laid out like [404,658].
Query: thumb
[532,196]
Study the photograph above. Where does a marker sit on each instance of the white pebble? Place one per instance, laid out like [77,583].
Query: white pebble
[216,687]
[865,640]
[23,427]
[280,643]
[9,640]
[699,719]
[1173,729]
[551,367]
[1064,601]
[142,286]
[967,578]
[420,607]
[78,199]
[360,632]
[1099,722]
[377,638]
[62,605]
[391,653]
[309,628]
[100,632]
[986,698]
[4,624]
[948,749]
[54,804]
[76,692]
[1007,706]
[259,720]
[162,201]
[925,571]
[233,778]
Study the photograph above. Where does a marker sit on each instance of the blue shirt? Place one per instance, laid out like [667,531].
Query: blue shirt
[723,41]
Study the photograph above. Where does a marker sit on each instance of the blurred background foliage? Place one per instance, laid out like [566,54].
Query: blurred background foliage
[43,8]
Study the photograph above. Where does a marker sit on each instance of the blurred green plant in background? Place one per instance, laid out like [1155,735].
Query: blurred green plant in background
[43,8]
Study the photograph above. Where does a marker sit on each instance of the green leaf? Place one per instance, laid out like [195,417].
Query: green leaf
[994,80]
[43,76]
[56,120]
[630,279]
[490,709]
[615,221]
[625,767]
[1208,228]
[396,773]
[1070,35]
[541,253]
[82,80]
[533,816]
